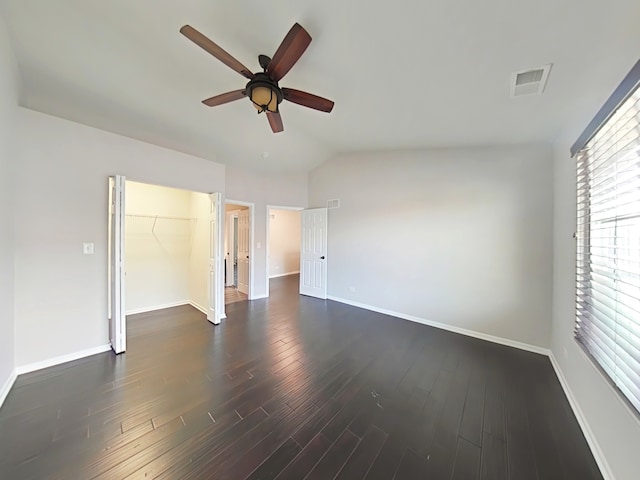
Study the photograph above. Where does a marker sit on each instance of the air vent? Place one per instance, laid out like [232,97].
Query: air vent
[529,82]
[333,203]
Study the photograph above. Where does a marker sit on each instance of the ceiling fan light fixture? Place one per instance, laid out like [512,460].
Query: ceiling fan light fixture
[264,93]
[263,89]
[264,99]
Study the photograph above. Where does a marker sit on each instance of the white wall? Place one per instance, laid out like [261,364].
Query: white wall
[61,198]
[262,189]
[460,237]
[284,242]
[157,250]
[609,420]
[8,112]
[200,206]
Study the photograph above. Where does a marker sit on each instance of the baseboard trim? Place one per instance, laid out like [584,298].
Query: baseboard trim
[450,328]
[284,274]
[32,367]
[198,307]
[157,307]
[6,388]
[258,297]
[598,455]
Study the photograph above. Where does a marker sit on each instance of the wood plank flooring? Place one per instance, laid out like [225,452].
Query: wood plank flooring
[232,295]
[292,387]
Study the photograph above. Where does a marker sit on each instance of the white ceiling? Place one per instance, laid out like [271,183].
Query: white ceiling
[409,74]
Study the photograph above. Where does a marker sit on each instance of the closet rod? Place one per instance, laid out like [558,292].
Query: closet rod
[163,217]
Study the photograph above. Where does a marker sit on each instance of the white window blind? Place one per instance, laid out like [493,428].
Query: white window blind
[608,250]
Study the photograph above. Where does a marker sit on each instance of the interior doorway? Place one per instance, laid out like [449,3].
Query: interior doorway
[167,243]
[238,254]
[283,242]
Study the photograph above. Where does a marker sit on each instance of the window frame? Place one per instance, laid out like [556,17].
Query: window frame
[627,87]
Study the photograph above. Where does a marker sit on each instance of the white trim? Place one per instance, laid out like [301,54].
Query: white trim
[284,274]
[32,367]
[6,388]
[204,310]
[198,307]
[252,256]
[451,328]
[157,307]
[597,452]
[258,297]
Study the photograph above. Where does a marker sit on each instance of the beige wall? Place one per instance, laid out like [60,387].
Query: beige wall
[284,242]
[460,237]
[158,246]
[61,177]
[262,189]
[8,113]
[199,259]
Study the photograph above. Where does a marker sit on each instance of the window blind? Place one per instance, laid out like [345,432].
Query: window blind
[608,247]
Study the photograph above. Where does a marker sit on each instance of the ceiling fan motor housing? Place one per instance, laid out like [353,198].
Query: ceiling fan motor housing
[264,93]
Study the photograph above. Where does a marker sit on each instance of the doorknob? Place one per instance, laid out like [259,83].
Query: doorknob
[322,257]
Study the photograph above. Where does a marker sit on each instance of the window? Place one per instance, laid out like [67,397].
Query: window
[608,237]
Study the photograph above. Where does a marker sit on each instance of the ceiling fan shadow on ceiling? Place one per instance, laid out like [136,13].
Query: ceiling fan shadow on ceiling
[263,89]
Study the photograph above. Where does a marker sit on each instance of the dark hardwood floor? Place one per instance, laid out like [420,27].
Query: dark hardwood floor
[292,387]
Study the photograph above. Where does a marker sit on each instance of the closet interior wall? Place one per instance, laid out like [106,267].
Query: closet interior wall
[166,245]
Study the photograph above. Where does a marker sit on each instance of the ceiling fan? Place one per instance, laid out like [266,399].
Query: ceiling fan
[263,89]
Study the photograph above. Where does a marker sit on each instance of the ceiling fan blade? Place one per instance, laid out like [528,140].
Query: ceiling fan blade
[289,51]
[224,98]
[215,50]
[307,100]
[275,120]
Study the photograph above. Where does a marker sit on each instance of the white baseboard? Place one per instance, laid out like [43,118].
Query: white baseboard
[284,274]
[258,297]
[204,310]
[450,328]
[6,387]
[598,455]
[157,307]
[32,367]
[198,307]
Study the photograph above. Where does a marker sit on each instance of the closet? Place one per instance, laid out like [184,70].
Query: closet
[166,248]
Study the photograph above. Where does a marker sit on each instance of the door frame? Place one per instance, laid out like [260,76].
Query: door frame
[252,222]
[268,229]
[230,237]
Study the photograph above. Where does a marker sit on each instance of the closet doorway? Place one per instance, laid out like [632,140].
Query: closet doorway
[167,241]
[237,251]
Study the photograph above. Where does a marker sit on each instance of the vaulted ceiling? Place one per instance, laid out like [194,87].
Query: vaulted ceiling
[410,74]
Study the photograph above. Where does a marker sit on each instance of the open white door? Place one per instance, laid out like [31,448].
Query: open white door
[214,312]
[230,249]
[313,253]
[243,251]
[117,318]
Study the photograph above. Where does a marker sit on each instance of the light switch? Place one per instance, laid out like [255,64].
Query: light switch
[87,248]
